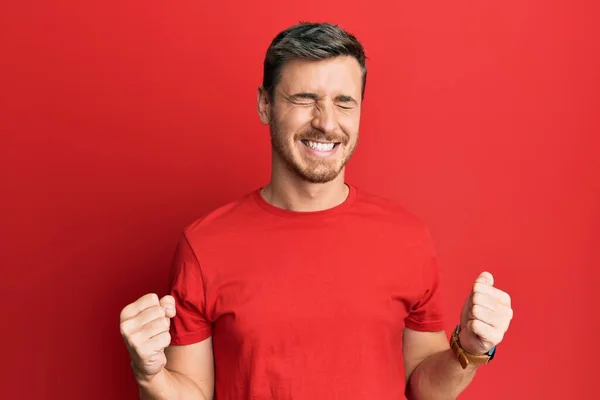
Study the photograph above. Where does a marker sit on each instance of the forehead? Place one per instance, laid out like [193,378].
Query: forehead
[339,75]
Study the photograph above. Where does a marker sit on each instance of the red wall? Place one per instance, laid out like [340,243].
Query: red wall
[121,122]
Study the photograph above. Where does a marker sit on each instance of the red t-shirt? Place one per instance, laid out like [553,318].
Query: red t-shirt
[306,305]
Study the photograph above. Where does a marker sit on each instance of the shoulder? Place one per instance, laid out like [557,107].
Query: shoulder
[391,218]
[387,209]
[224,219]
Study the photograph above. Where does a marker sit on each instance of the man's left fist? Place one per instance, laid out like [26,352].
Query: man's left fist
[485,317]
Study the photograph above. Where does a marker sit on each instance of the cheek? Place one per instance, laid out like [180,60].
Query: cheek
[294,120]
[350,123]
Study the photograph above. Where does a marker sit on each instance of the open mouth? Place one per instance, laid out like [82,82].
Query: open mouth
[320,146]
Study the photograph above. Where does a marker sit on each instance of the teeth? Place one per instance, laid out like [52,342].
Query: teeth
[320,146]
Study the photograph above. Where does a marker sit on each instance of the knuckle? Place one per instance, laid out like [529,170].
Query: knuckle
[510,313]
[159,312]
[135,344]
[159,323]
[127,328]
[124,330]
[126,312]
[478,298]
[152,297]
[167,339]
[154,313]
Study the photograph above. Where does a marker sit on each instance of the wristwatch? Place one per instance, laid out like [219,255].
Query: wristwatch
[465,358]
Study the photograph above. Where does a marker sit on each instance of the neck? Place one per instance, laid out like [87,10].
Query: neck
[288,191]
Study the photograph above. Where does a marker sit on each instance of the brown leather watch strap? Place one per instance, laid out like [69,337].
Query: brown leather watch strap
[465,358]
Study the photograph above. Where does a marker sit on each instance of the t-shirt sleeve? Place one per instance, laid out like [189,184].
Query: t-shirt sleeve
[187,286]
[427,315]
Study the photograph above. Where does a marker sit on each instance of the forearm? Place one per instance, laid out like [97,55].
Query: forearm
[439,377]
[169,385]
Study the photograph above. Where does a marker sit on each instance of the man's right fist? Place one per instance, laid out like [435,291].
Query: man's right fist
[145,329]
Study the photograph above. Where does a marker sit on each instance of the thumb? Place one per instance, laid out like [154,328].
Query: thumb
[168,303]
[485,278]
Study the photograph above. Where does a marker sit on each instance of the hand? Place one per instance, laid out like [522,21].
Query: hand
[145,329]
[485,317]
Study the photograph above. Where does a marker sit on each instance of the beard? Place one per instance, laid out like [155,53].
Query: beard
[311,169]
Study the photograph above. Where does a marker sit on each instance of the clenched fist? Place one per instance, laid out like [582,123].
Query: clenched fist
[486,316]
[145,329]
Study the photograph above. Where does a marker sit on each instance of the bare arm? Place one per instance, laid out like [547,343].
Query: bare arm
[189,374]
[162,371]
[432,370]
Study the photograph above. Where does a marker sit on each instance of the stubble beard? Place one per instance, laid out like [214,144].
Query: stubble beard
[311,170]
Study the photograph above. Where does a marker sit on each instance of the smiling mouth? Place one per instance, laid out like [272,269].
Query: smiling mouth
[320,146]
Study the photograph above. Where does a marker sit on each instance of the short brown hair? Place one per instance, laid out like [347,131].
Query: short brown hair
[310,41]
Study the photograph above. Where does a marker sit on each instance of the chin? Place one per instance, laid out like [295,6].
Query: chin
[319,179]
[320,175]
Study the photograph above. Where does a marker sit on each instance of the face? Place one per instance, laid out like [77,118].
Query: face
[314,117]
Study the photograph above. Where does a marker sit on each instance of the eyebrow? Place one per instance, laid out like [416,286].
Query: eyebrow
[346,99]
[313,96]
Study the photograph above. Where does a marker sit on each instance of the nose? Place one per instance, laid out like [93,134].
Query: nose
[325,119]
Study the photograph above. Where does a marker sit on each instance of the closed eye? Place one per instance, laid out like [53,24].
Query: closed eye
[346,102]
[303,98]
[342,101]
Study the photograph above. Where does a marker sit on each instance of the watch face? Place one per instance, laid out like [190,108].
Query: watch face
[492,353]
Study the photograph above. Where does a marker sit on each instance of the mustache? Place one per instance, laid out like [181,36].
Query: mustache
[316,136]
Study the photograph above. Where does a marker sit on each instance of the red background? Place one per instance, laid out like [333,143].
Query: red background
[121,122]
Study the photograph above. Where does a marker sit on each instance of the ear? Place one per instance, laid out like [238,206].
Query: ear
[263,105]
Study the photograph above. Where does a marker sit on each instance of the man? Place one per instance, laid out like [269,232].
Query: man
[309,288]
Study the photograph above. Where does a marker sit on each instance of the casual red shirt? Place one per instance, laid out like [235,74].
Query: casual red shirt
[306,305]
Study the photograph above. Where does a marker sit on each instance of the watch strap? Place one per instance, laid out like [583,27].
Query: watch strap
[464,357]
